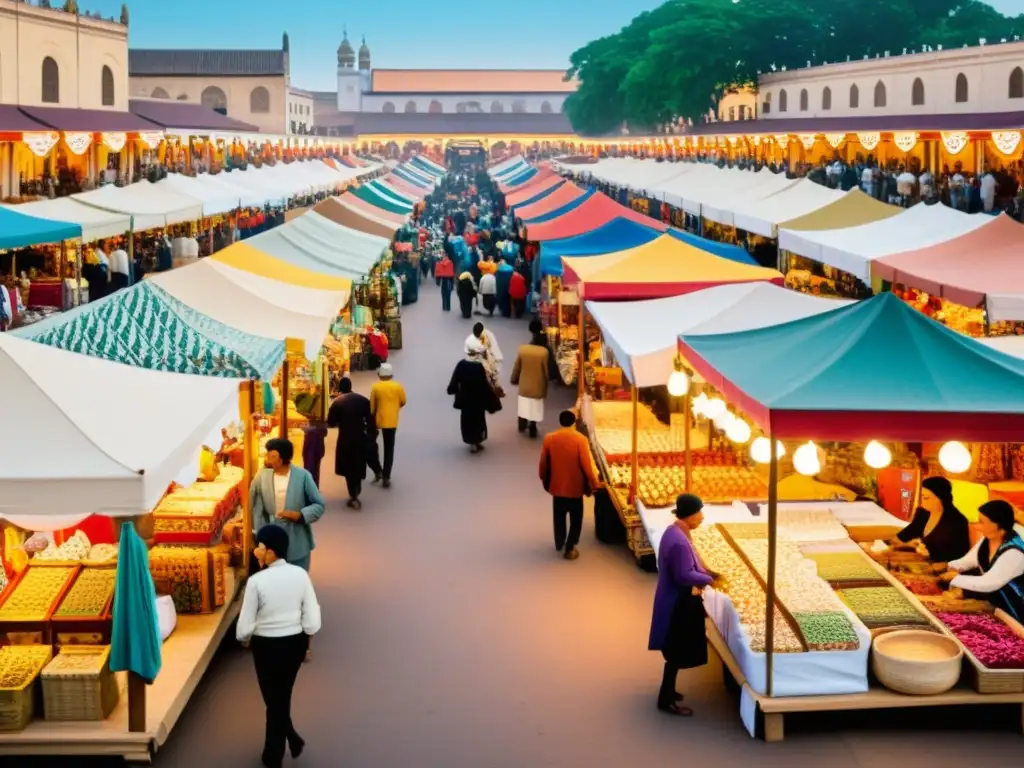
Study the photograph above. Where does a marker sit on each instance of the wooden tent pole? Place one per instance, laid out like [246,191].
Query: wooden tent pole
[634,459]
[687,449]
[773,529]
[582,326]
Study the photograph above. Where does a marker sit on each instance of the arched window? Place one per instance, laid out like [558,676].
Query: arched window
[783,100]
[182,97]
[436,107]
[917,94]
[519,106]
[766,108]
[160,93]
[497,107]
[963,91]
[51,81]
[259,100]
[388,108]
[826,99]
[214,98]
[1017,84]
[474,107]
[880,94]
[545,108]
[107,86]
[461,107]
[410,107]
[854,97]
[804,100]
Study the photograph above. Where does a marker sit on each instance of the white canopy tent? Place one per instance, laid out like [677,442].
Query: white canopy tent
[632,173]
[151,206]
[643,335]
[507,168]
[419,175]
[717,200]
[365,246]
[316,243]
[261,184]
[852,249]
[344,200]
[689,183]
[109,444]
[211,291]
[763,216]
[96,223]
[216,199]
[231,184]
[295,298]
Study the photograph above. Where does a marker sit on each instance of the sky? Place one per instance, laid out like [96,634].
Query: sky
[458,34]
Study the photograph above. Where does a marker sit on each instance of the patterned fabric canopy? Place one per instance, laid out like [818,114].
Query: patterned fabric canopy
[146,327]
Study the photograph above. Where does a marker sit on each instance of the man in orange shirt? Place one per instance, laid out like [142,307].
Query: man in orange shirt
[567,472]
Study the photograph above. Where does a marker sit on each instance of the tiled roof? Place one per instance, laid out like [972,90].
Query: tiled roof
[452,124]
[471,81]
[180,114]
[91,120]
[968,121]
[151,62]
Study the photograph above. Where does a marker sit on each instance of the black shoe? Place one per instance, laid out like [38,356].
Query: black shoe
[533,429]
[295,746]
[376,478]
[522,425]
[270,763]
[572,554]
[386,482]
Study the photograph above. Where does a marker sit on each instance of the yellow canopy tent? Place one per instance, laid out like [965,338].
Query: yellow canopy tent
[663,267]
[249,259]
[851,210]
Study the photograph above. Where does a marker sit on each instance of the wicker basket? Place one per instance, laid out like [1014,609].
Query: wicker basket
[18,705]
[78,684]
[900,672]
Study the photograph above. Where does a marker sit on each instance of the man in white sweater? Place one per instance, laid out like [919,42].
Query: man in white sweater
[279,614]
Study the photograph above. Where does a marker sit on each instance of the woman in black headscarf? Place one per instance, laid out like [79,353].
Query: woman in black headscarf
[465,289]
[937,524]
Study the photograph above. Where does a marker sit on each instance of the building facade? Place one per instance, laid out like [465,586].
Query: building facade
[54,58]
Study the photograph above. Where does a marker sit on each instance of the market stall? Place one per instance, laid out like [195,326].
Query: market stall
[559,197]
[805,599]
[96,224]
[596,211]
[764,216]
[333,209]
[535,192]
[88,456]
[151,206]
[243,257]
[377,199]
[357,203]
[317,243]
[412,176]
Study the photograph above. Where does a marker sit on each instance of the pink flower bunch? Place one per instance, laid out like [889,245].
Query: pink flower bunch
[989,639]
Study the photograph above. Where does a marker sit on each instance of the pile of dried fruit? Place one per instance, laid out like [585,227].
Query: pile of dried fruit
[827,631]
[33,597]
[20,664]
[89,594]
[992,642]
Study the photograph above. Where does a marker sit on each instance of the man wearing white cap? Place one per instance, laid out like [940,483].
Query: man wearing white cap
[387,398]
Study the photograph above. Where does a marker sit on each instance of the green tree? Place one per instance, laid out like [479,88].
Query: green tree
[676,60]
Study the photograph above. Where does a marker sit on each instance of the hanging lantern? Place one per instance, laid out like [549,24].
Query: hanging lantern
[760,450]
[678,382]
[806,461]
[738,431]
[876,455]
[954,141]
[905,140]
[1006,141]
[40,143]
[782,140]
[715,408]
[724,421]
[115,141]
[808,140]
[954,457]
[835,139]
[699,405]
[869,140]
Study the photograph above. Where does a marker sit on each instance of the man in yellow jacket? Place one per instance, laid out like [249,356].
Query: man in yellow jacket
[387,398]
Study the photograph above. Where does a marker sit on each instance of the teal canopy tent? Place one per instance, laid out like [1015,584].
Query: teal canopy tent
[19,230]
[373,197]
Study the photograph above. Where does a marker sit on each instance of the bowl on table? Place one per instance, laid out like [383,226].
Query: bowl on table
[916,662]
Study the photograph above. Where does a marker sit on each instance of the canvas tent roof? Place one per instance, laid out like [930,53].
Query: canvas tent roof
[429,165]
[150,206]
[660,268]
[358,203]
[379,200]
[240,300]
[531,193]
[74,457]
[332,208]
[146,327]
[20,229]
[852,249]
[985,266]
[598,210]
[874,370]
[562,209]
[763,216]
[215,198]
[415,175]
[94,222]
[248,259]
[506,167]
[391,194]
[717,201]
[514,182]
[315,243]
[851,210]
[408,189]
[558,197]
[644,334]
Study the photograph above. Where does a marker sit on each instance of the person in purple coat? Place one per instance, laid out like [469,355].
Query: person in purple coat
[677,624]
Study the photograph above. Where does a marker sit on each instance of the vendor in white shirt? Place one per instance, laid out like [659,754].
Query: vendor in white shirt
[994,568]
[279,614]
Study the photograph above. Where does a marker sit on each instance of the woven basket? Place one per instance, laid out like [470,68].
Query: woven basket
[78,684]
[18,705]
[902,673]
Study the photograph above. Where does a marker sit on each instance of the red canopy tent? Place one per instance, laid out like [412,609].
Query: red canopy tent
[594,213]
[531,190]
[543,172]
[402,185]
[564,195]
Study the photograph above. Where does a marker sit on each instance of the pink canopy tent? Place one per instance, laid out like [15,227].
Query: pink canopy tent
[369,208]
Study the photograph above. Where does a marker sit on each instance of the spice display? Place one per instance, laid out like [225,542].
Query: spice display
[33,597]
[827,631]
[21,664]
[920,585]
[89,594]
[74,550]
[658,486]
[991,641]
[881,606]
[797,585]
[838,567]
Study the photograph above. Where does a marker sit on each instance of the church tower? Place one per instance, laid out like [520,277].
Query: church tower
[365,70]
[350,91]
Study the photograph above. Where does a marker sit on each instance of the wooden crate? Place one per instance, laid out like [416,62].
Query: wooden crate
[35,631]
[18,704]
[83,630]
[78,684]
[991,681]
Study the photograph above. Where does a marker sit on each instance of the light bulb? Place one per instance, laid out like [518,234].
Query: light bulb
[678,383]
[715,408]
[954,457]
[738,431]
[724,421]
[806,461]
[760,450]
[699,405]
[876,455]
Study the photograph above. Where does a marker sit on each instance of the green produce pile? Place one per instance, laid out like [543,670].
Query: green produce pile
[827,631]
[845,566]
[881,607]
